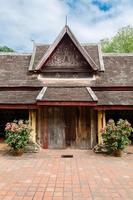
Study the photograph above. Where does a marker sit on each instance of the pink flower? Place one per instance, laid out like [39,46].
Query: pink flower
[103,130]
[20,122]
[8,126]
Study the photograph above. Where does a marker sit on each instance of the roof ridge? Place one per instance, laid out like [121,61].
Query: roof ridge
[117,54]
[14,54]
[42,44]
[87,44]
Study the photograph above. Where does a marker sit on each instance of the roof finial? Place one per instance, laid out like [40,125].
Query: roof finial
[32,40]
[66,21]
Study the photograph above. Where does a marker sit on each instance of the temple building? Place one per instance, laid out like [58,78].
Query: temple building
[67,90]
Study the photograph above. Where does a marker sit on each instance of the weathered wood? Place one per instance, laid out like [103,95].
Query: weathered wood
[101,124]
[42,127]
[65,103]
[70,125]
[93,119]
[83,128]
[45,128]
[66,59]
[65,126]
[114,107]
[66,34]
[32,123]
[38,138]
[17,106]
[41,93]
[56,134]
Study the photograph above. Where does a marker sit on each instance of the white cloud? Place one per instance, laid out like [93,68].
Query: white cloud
[42,20]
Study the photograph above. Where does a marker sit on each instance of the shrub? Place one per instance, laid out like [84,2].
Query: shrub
[17,134]
[116,136]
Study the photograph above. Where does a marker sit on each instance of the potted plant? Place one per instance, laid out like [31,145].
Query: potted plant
[116,136]
[17,135]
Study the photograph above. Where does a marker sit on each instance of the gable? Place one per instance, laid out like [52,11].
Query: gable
[66,52]
[94,50]
[66,57]
[66,61]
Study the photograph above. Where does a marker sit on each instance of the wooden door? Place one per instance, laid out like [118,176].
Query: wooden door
[56,133]
[66,127]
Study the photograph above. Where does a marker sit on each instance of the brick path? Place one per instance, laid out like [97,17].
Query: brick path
[47,176]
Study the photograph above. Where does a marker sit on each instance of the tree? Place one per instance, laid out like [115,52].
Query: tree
[5,49]
[122,42]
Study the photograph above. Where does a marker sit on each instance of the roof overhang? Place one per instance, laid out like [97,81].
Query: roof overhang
[67,96]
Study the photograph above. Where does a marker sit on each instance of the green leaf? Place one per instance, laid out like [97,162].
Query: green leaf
[122,42]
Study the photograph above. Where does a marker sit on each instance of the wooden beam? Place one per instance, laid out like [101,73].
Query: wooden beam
[114,107]
[92,94]
[112,88]
[65,103]
[41,94]
[18,106]
[93,127]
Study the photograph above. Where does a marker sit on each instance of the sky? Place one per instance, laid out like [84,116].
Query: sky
[22,21]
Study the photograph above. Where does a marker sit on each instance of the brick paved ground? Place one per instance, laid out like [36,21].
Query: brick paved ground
[47,176]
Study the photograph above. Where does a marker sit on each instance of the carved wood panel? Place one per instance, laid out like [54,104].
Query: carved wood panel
[66,58]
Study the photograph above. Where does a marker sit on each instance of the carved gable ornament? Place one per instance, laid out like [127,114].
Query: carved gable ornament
[66,53]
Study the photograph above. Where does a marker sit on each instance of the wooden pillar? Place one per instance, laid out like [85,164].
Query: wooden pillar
[32,123]
[44,128]
[101,124]
[93,127]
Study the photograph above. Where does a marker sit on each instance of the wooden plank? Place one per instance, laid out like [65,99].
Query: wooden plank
[83,137]
[56,134]
[17,106]
[70,125]
[116,107]
[93,124]
[94,97]
[112,88]
[41,94]
[65,103]
[63,125]
[39,125]
[45,127]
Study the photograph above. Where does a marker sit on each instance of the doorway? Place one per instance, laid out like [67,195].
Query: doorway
[67,127]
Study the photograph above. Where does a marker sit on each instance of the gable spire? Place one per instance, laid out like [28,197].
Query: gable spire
[66,21]
[66,30]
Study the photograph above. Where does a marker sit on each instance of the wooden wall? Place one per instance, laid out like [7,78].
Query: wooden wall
[62,127]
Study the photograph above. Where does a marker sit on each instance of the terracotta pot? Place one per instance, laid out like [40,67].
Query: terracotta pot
[118,153]
[18,152]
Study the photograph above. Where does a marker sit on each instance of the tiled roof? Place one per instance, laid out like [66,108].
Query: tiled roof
[118,71]
[18,97]
[14,71]
[68,94]
[115,97]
